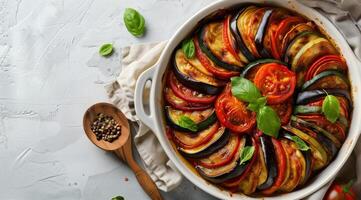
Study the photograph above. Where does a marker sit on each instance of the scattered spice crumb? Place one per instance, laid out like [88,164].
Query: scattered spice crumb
[126,179]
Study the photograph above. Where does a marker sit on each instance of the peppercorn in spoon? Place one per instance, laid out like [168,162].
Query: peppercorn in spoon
[108,128]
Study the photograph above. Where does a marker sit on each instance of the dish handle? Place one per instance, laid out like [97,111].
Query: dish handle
[138,97]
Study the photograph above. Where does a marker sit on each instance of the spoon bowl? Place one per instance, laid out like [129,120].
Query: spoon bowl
[110,110]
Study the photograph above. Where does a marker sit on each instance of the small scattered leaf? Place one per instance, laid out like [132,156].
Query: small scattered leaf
[188,48]
[134,22]
[300,143]
[118,198]
[331,108]
[188,123]
[246,154]
[106,49]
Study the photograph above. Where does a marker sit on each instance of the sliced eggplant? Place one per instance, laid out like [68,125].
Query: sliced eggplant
[319,154]
[308,158]
[193,78]
[203,118]
[270,160]
[224,155]
[251,69]
[208,148]
[181,104]
[294,32]
[312,95]
[317,129]
[262,29]
[211,43]
[237,36]
[223,169]
[330,79]
[237,170]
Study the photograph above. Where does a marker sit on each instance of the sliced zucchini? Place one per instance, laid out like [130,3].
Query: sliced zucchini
[203,118]
[319,154]
[211,43]
[330,79]
[191,77]
[301,109]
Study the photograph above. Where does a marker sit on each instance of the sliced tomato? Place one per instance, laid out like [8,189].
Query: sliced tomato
[324,63]
[229,42]
[210,65]
[181,104]
[233,113]
[284,111]
[284,26]
[334,128]
[281,167]
[188,94]
[276,82]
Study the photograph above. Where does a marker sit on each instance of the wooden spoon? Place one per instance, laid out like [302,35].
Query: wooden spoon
[122,146]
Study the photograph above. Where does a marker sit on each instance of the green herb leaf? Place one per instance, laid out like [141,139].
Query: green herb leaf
[300,143]
[188,48]
[244,90]
[118,198]
[246,154]
[134,22]
[259,103]
[268,121]
[347,187]
[331,108]
[106,49]
[187,123]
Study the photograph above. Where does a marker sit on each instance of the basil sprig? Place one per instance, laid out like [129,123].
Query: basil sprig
[246,154]
[106,49]
[188,123]
[267,119]
[331,108]
[300,143]
[188,48]
[134,22]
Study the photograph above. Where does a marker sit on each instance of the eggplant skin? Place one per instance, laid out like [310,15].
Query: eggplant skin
[194,84]
[271,162]
[261,32]
[221,142]
[309,96]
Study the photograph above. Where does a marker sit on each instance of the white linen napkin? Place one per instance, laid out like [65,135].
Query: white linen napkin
[137,58]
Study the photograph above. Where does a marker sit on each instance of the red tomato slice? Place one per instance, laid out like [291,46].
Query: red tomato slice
[233,113]
[209,65]
[325,63]
[181,104]
[192,96]
[284,111]
[228,41]
[282,29]
[281,167]
[276,82]
[319,120]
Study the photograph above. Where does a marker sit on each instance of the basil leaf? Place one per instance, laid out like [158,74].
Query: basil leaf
[106,49]
[259,103]
[118,198]
[244,90]
[246,154]
[188,48]
[134,22]
[268,121]
[331,108]
[188,123]
[300,143]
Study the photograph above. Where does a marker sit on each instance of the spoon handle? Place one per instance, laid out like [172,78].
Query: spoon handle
[142,176]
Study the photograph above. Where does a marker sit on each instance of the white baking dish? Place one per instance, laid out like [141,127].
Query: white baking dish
[155,119]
